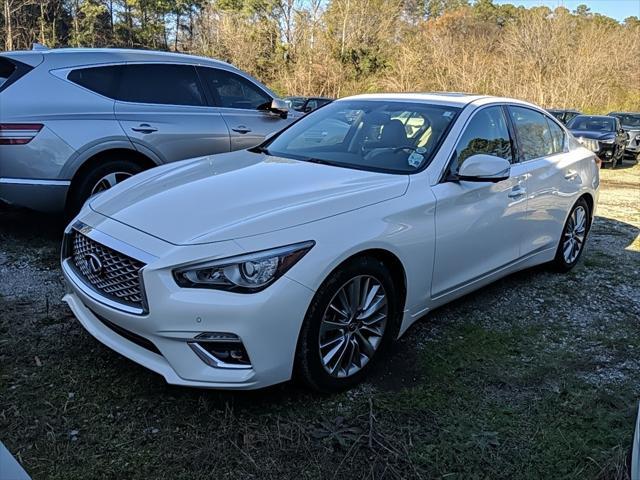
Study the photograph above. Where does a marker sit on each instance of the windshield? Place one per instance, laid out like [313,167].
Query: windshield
[592,124]
[629,120]
[387,136]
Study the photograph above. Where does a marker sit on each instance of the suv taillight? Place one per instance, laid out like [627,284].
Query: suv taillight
[18,133]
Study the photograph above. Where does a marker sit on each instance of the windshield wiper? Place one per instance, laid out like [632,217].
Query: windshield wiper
[319,161]
[260,149]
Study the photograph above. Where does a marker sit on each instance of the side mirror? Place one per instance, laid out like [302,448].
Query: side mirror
[279,107]
[484,168]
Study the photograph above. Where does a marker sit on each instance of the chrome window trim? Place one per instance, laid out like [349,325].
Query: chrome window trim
[30,181]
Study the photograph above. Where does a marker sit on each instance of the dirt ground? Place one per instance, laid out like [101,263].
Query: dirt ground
[535,376]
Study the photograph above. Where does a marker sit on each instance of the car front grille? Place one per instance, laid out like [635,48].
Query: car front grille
[111,273]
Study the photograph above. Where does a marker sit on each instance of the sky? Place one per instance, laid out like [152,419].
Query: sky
[618,9]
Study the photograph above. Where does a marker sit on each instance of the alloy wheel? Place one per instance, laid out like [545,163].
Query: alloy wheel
[574,234]
[353,326]
[109,180]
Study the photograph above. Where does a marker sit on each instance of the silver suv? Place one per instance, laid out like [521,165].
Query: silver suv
[74,122]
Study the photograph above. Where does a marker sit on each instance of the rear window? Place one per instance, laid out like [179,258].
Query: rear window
[11,71]
[102,80]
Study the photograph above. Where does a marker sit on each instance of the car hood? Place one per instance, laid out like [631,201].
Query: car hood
[593,134]
[239,194]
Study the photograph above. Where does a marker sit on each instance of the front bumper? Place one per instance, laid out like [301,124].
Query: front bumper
[41,195]
[606,152]
[267,323]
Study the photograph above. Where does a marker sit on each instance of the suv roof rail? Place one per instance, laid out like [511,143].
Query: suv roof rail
[39,46]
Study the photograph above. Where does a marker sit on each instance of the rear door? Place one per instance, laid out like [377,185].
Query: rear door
[163,108]
[243,105]
[479,225]
[554,176]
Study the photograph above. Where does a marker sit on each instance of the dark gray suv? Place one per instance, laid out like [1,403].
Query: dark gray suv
[74,122]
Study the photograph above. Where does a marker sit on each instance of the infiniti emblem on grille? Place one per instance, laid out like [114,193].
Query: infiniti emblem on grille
[93,264]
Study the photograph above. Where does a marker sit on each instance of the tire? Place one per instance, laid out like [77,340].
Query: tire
[562,261]
[335,376]
[99,178]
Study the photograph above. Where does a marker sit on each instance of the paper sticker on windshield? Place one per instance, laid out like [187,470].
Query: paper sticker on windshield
[415,159]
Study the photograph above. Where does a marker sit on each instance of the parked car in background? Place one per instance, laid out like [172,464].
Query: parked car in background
[307,104]
[312,257]
[74,122]
[564,115]
[630,122]
[601,134]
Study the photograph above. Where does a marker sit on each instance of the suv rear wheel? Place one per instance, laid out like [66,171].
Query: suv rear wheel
[98,179]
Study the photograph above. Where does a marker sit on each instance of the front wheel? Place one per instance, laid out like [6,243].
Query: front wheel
[350,323]
[574,236]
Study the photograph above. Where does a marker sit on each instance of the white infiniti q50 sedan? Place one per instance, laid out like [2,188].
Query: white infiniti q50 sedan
[310,254]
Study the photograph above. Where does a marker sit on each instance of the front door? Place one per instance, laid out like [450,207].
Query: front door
[244,107]
[478,224]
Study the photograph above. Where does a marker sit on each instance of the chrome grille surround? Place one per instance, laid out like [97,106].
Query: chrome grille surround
[115,276]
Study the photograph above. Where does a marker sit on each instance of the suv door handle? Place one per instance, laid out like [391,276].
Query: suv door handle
[571,174]
[144,128]
[517,191]
[241,129]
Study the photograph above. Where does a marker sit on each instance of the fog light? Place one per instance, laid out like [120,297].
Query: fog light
[221,350]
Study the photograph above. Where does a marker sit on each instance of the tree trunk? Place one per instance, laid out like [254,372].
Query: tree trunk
[8,42]
[175,43]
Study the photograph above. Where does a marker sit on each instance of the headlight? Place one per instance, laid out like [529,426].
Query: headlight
[608,141]
[638,138]
[245,273]
[590,144]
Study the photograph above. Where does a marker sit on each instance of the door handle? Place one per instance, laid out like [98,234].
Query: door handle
[144,128]
[571,174]
[517,192]
[241,129]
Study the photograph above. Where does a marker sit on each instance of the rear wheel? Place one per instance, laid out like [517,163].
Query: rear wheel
[350,323]
[574,236]
[102,177]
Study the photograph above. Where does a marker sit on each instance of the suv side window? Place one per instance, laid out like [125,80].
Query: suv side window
[233,91]
[557,136]
[532,130]
[486,133]
[165,84]
[101,80]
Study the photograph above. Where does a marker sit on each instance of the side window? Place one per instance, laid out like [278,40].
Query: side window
[165,84]
[486,133]
[534,136]
[102,80]
[233,91]
[557,136]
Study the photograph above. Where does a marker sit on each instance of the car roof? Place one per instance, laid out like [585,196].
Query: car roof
[104,55]
[453,99]
[595,116]
[623,113]
[568,110]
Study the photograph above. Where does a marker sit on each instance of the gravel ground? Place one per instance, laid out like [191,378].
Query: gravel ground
[535,376]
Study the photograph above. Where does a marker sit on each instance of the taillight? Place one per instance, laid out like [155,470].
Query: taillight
[18,133]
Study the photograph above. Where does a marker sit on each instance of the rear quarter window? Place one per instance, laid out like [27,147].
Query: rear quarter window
[101,80]
[11,71]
